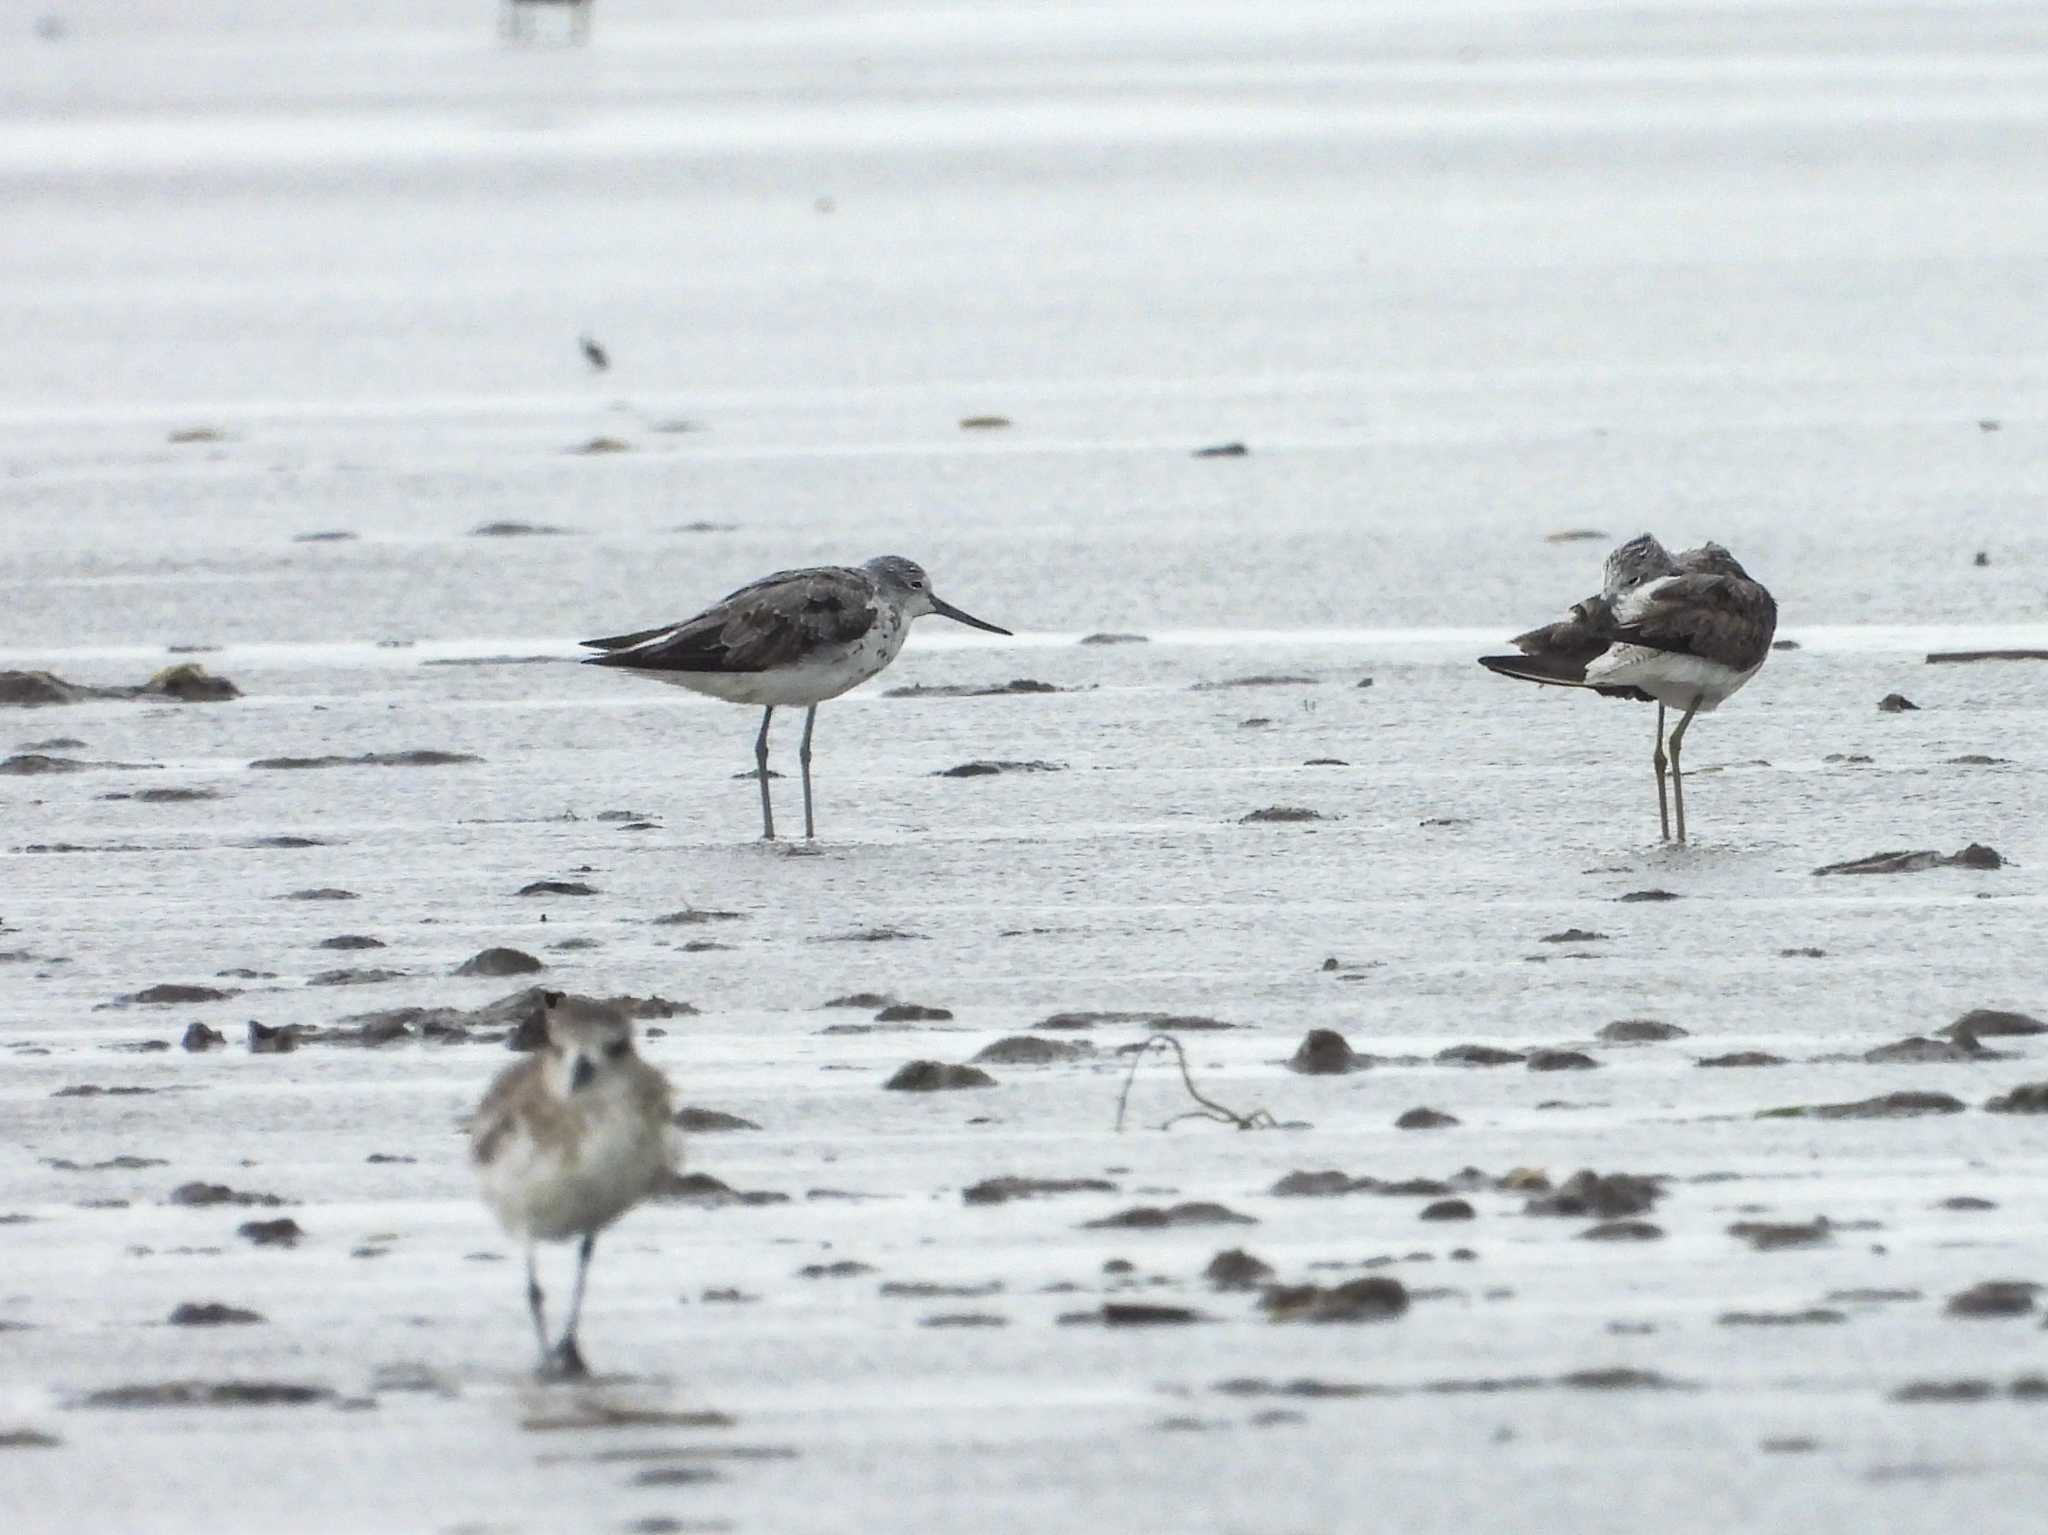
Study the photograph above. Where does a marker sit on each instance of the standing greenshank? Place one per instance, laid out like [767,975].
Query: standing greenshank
[1684,631]
[796,637]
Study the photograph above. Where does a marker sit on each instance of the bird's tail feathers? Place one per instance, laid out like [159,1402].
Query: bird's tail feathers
[625,641]
[1558,671]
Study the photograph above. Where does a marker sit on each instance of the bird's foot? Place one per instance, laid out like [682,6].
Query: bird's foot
[564,1363]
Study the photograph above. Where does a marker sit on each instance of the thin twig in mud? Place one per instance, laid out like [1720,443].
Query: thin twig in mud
[1258,1119]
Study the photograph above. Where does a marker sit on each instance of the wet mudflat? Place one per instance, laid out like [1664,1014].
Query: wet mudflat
[1621,1182]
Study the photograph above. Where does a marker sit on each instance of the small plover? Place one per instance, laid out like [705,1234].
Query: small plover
[796,637]
[568,1140]
[1684,631]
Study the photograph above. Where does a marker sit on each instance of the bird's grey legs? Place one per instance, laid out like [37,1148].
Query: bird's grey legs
[1677,773]
[566,1363]
[761,767]
[537,1304]
[563,1360]
[1657,763]
[803,755]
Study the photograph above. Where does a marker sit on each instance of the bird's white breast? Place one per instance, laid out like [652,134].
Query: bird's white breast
[551,1191]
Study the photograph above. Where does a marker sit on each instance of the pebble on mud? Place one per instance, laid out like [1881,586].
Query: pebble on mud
[967,690]
[1193,1212]
[1448,1210]
[499,962]
[1326,1053]
[709,1193]
[1607,1196]
[1425,1119]
[1743,1058]
[1916,1050]
[173,994]
[1975,856]
[1281,814]
[1623,1231]
[206,1194]
[1561,1060]
[1479,1055]
[697,916]
[281,1232]
[556,887]
[1777,1236]
[209,1393]
[186,682]
[198,1036]
[211,1314]
[1304,1184]
[1132,1314]
[1994,1298]
[1994,1023]
[265,1040]
[2028,1098]
[426,758]
[1639,1031]
[1000,1191]
[1373,1299]
[1023,1050]
[1897,703]
[912,1012]
[1888,1106]
[936,1076]
[358,975]
[1236,1269]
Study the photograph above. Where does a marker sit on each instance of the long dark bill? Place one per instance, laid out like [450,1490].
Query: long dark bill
[946,610]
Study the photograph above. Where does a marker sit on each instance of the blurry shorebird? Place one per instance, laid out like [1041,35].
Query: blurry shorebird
[1683,631]
[796,637]
[594,354]
[567,1141]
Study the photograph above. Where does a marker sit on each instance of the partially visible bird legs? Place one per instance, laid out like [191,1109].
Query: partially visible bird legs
[761,771]
[1657,763]
[565,1362]
[536,1303]
[1677,773]
[803,755]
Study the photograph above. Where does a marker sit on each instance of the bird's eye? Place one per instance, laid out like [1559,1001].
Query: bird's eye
[618,1048]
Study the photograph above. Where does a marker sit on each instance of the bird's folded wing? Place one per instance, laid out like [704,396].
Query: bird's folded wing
[1715,617]
[496,1115]
[775,622]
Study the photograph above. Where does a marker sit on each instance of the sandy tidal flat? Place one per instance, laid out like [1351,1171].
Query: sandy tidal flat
[1459,279]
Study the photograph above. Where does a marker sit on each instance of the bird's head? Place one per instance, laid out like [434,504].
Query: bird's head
[587,1043]
[904,583]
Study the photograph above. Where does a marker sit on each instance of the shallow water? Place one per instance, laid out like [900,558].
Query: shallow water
[1460,279]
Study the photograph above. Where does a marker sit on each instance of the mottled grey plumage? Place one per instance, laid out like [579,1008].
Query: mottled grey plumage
[1684,630]
[776,621]
[798,637]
